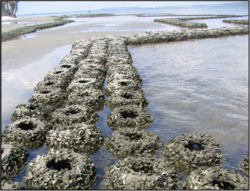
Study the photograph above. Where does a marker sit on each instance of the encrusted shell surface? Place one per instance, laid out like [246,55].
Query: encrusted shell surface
[142,172]
[74,114]
[9,185]
[180,150]
[13,160]
[213,178]
[78,137]
[129,116]
[126,97]
[29,132]
[60,169]
[244,164]
[127,141]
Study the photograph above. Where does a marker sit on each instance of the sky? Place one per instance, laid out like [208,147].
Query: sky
[35,7]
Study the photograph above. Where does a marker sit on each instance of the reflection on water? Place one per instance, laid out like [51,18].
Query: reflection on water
[198,86]
[32,154]
[216,23]
[18,84]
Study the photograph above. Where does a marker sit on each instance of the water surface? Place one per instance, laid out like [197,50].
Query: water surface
[198,86]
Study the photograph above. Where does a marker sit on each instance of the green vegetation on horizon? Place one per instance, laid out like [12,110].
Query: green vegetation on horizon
[95,15]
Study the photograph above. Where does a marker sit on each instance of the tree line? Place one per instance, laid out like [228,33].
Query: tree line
[9,8]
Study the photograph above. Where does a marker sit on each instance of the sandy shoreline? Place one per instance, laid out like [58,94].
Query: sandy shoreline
[21,52]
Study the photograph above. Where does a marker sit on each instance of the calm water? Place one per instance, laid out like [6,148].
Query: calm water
[196,85]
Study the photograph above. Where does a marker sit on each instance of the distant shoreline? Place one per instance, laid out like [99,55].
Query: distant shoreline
[106,10]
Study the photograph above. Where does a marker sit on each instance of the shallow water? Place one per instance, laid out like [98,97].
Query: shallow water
[198,86]
[18,84]
[126,23]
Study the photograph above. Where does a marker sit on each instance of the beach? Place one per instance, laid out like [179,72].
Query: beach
[33,49]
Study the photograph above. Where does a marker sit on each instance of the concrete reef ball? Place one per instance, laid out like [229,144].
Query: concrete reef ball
[52,96]
[81,84]
[93,98]
[116,85]
[143,172]
[213,178]
[79,137]
[9,185]
[74,114]
[122,69]
[193,150]
[29,132]
[127,142]
[34,110]
[61,170]
[245,164]
[129,116]
[120,74]
[53,82]
[126,97]
[13,160]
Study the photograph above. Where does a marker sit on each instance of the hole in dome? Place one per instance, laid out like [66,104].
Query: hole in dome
[2,150]
[138,167]
[127,96]
[45,91]
[134,136]
[223,185]
[31,107]
[66,66]
[83,81]
[58,72]
[124,83]
[49,83]
[72,111]
[26,126]
[128,114]
[63,164]
[194,147]
[86,94]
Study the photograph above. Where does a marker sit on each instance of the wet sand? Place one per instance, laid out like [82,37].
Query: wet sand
[21,52]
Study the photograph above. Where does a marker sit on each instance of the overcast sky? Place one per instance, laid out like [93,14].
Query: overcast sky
[35,7]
